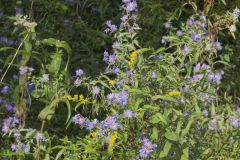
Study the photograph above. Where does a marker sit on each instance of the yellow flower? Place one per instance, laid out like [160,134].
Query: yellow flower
[81,98]
[174,93]
[133,57]
[111,82]
[112,141]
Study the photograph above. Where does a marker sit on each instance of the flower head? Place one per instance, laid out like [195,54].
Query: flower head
[79,72]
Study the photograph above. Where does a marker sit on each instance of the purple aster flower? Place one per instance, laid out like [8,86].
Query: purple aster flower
[111,123]
[205,113]
[154,74]
[147,148]
[8,107]
[96,90]
[113,28]
[234,121]
[126,1]
[45,77]
[91,125]
[8,124]
[23,70]
[105,56]
[108,23]
[186,49]
[25,148]
[213,125]
[116,69]
[179,33]
[78,119]
[197,77]
[18,10]
[190,22]
[14,147]
[116,45]
[218,46]
[131,6]
[124,18]
[120,98]
[79,72]
[112,58]
[196,37]
[164,39]
[40,137]
[129,114]
[15,77]
[77,82]
[167,25]
[196,68]
[5,90]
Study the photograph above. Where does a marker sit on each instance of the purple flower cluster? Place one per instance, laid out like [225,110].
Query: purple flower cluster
[96,90]
[5,89]
[213,125]
[196,37]
[147,148]
[9,123]
[25,148]
[212,77]
[201,22]
[24,70]
[79,72]
[6,40]
[110,58]
[40,137]
[110,27]
[130,5]
[120,98]
[129,114]
[110,122]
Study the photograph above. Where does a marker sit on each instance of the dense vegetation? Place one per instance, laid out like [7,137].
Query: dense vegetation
[130,79]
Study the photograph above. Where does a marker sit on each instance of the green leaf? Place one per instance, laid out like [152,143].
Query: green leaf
[47,112]
[171,135]
[166,150]
[158,117]
[69,111]
[167,98]
[55,64]
[154,135]
[185,154]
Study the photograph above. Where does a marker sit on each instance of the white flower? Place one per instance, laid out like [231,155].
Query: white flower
[236,13]
[232,28]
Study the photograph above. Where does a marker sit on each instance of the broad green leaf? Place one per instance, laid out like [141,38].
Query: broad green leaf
[154,135]
[166,150]
[171,135]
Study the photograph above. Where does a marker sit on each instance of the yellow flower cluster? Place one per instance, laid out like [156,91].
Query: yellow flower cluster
[76,98]
[133,57]
[112,140]
[174,93]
